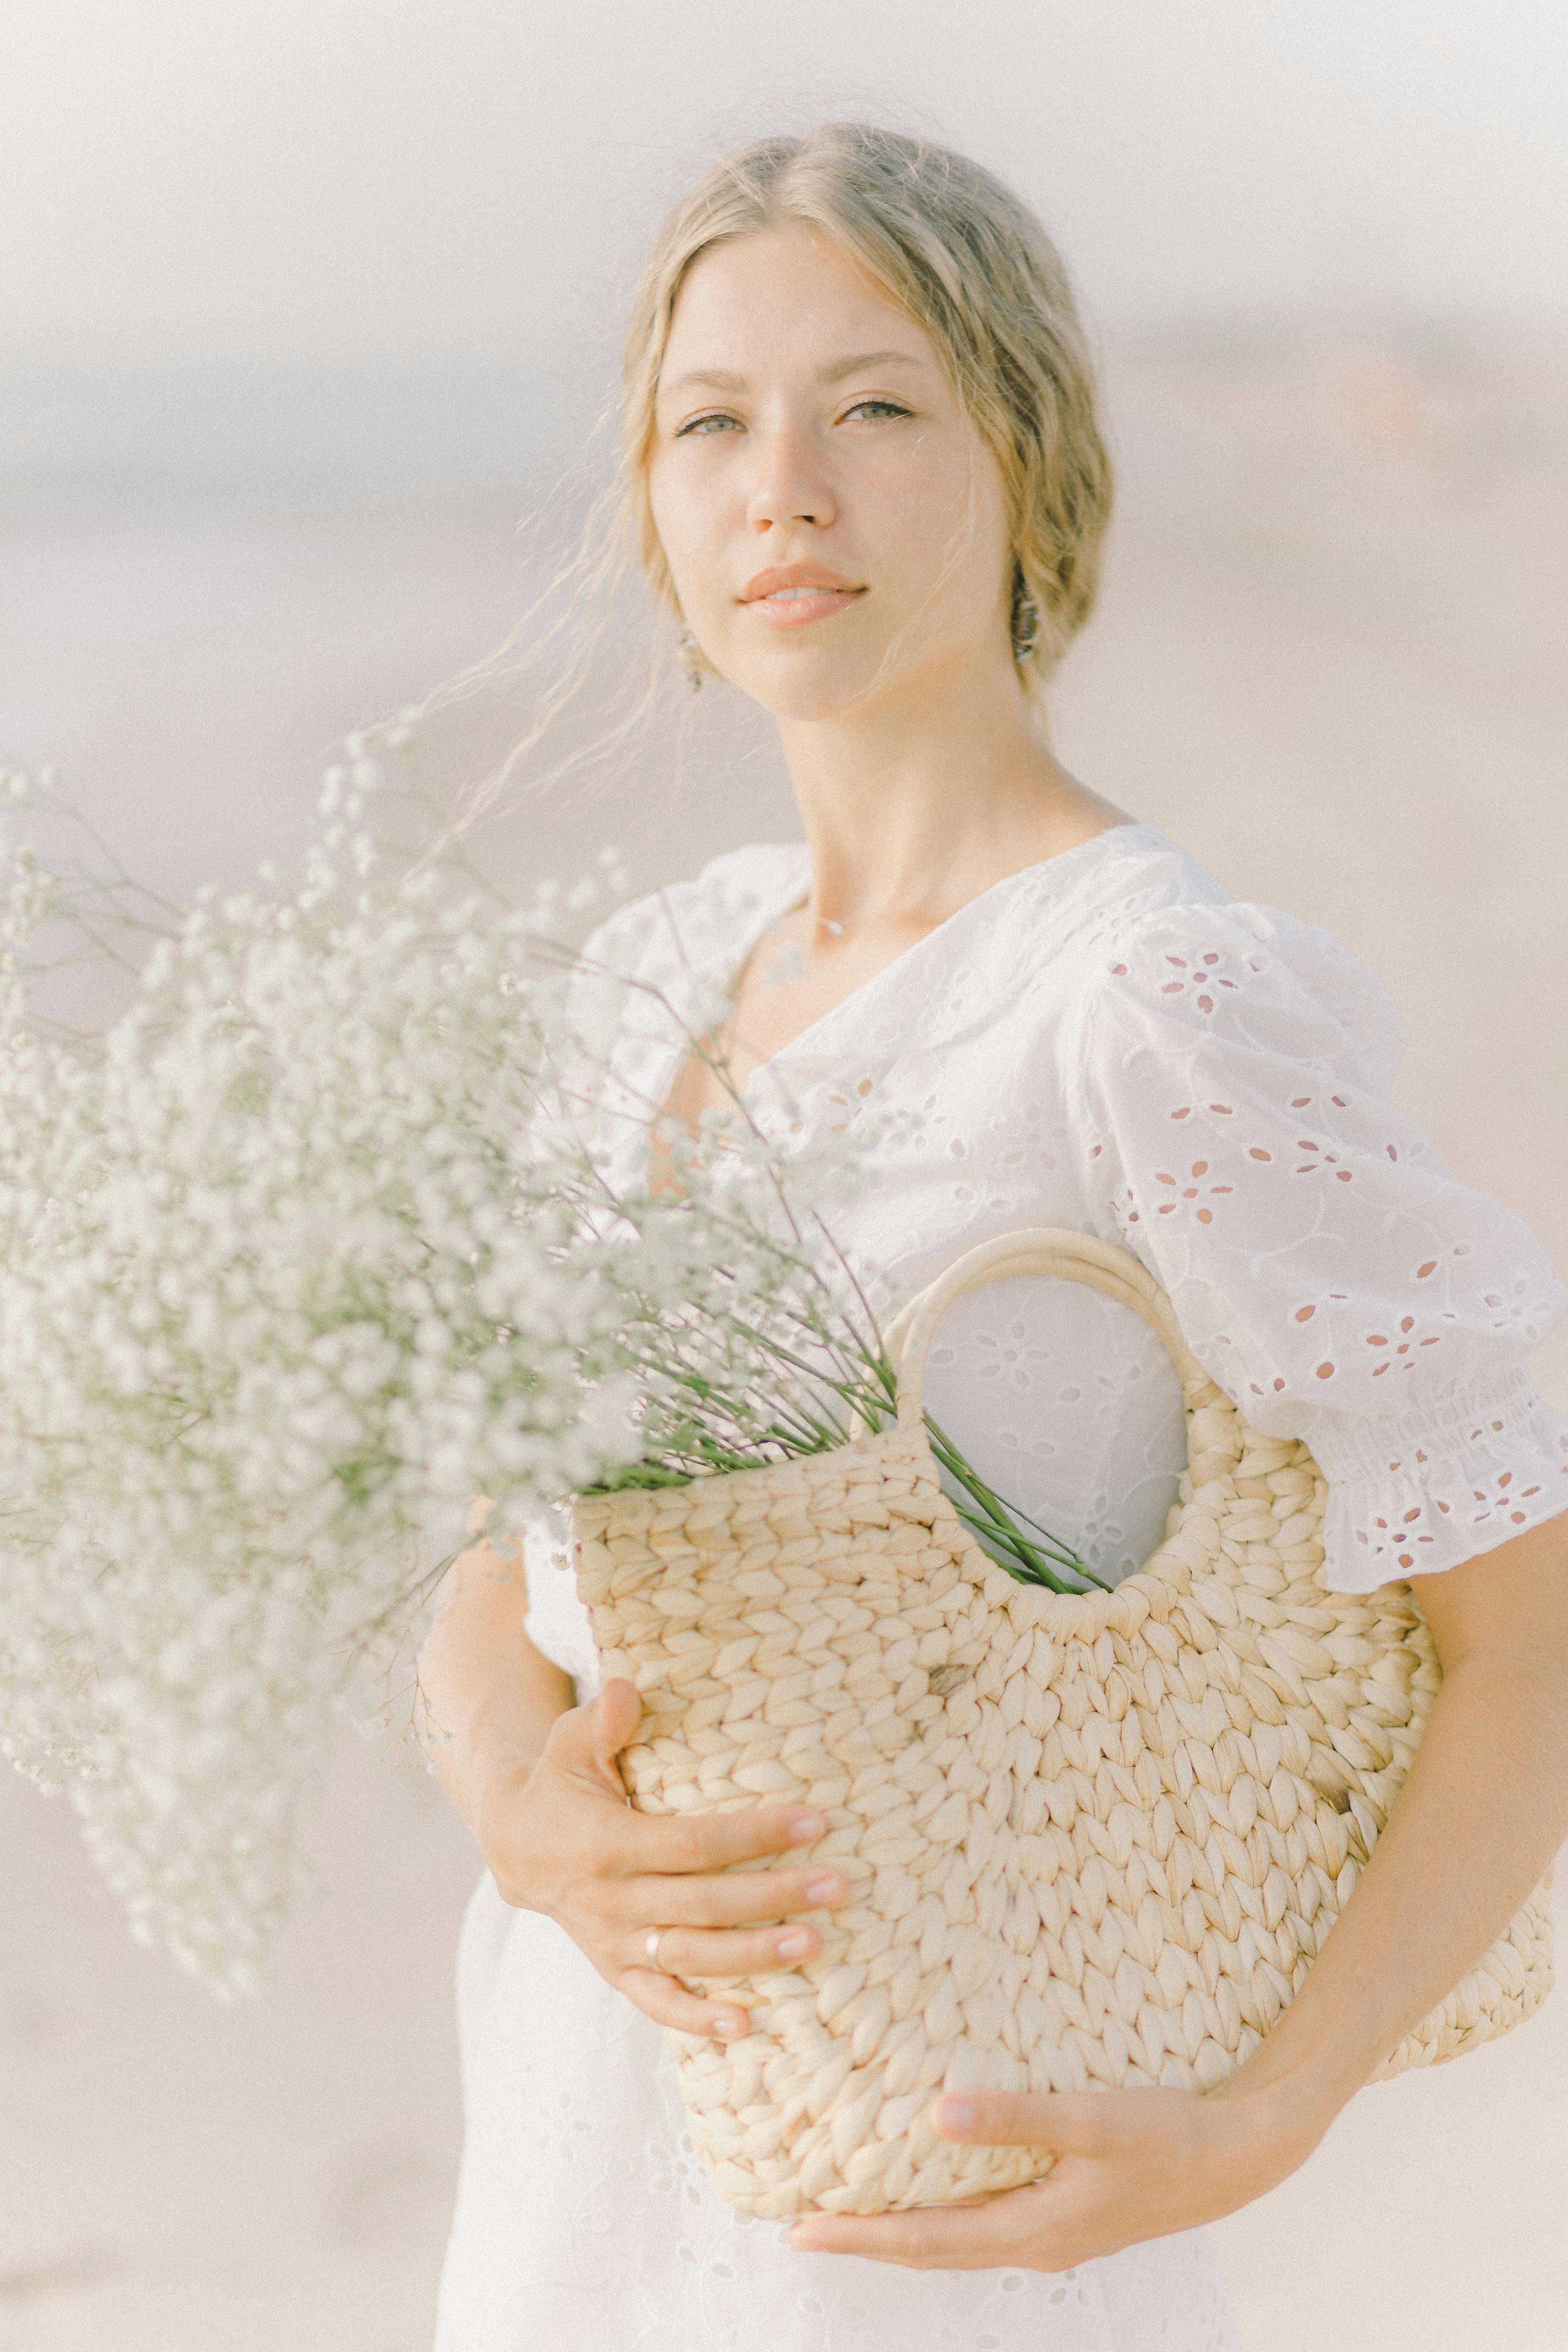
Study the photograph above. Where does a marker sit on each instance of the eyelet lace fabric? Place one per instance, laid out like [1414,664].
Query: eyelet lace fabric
[1103,1041]
[1231,1073]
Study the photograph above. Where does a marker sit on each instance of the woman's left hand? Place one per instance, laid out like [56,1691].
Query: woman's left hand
[1129,2165]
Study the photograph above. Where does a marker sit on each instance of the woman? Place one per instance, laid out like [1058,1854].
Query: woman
[871,493]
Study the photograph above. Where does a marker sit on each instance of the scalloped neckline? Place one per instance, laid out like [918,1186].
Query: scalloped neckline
[899,963]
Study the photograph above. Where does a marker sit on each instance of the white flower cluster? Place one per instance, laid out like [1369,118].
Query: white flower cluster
[302,1260]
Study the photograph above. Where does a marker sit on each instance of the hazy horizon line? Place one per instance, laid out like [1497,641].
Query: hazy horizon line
[372,423]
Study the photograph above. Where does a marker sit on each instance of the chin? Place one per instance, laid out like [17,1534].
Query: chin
[808,690]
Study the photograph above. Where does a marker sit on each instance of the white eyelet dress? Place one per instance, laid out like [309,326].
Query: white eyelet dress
[1105,1042]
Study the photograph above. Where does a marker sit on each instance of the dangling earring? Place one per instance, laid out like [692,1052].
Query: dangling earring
[692,660]
[1026,623]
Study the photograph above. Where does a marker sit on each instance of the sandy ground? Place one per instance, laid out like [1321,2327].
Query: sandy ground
[1323,662]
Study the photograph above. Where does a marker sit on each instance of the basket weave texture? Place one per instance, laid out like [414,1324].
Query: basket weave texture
[1091,1840]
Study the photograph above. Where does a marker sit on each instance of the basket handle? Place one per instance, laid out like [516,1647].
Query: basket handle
[1044,1249]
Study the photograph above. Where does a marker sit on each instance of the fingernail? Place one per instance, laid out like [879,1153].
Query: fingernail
[804,1827]
[794,1946]
[955,2115]
[829,1889]
[728,2026]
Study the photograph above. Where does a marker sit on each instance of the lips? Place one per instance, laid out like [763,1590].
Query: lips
[789,595]
[784,577]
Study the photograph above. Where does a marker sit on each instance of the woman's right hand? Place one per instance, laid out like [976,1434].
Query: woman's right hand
[561,1837]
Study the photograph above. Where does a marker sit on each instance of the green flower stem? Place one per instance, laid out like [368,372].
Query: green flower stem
[727,1433]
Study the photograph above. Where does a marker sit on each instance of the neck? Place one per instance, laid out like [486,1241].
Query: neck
[912,807]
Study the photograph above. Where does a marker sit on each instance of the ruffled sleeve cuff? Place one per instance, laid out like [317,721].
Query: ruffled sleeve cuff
[1410,1496]
[558,1623]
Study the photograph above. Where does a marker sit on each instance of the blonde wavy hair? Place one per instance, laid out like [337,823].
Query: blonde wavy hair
[970,264]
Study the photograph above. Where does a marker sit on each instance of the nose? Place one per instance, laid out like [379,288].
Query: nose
[790,484]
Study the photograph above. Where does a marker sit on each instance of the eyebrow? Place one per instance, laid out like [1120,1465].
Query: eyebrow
[723,380]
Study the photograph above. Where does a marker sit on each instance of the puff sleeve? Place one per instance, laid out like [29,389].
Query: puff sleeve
[1231,1068]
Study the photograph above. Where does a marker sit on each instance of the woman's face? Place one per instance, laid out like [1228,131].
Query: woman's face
[834,527]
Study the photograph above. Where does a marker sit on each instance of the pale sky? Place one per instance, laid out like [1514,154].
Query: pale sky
[304,182]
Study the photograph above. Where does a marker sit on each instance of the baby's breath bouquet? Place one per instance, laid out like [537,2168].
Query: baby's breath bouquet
[303,1255]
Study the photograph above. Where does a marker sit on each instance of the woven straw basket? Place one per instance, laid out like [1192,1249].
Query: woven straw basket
[1091,1840]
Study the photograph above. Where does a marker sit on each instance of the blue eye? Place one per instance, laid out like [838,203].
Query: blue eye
[699,424]
[888,407]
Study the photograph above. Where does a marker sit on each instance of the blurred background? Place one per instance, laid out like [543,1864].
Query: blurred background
[308,329]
